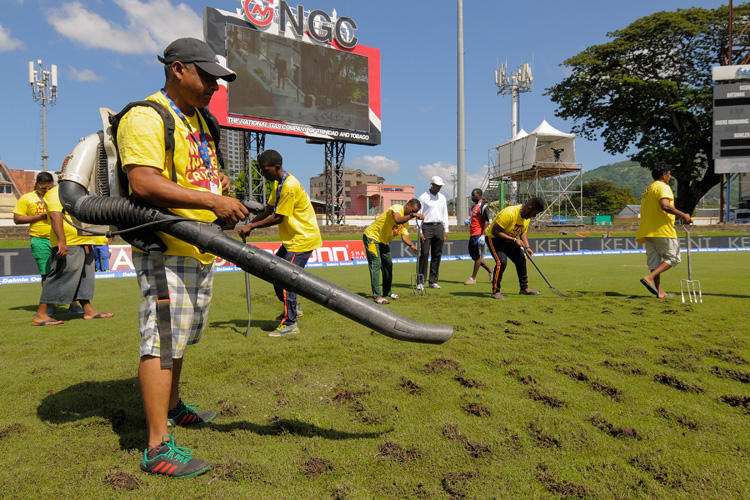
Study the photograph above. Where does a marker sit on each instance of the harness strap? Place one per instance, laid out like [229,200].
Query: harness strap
[163,317]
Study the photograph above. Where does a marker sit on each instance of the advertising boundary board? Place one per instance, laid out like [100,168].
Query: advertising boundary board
[17,265]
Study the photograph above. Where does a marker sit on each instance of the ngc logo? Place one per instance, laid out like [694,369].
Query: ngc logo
[259,12]
[317,24]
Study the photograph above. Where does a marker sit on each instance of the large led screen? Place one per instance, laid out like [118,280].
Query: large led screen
[287,86]
[287,80]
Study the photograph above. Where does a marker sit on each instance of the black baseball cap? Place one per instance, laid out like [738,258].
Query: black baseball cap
[192,50]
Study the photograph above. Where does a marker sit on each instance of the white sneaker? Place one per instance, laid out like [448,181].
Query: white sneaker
[420,286]
[470,281]
[435,286]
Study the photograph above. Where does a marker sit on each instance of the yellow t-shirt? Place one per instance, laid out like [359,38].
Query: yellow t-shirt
[52,199]
[299,229]
[510,221]
[140,141]
[384,228]
[101,240]
[32,204]
[655,222]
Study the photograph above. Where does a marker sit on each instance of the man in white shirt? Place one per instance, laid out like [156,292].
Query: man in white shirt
[434,231]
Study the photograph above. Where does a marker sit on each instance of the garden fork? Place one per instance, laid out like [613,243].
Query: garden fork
[693,287]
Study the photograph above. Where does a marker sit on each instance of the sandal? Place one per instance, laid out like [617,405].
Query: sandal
[382,300]
[395,296]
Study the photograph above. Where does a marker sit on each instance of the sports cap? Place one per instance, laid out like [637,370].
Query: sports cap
[437,180]
[192,50]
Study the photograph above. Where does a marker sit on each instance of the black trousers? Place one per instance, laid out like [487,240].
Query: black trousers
[434,236]
[502,250]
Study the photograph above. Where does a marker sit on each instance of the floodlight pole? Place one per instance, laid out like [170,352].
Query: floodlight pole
[459,200]
[43,89]
[514,83]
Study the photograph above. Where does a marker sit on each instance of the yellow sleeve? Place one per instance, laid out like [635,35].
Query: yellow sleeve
[140,138]
[22,206]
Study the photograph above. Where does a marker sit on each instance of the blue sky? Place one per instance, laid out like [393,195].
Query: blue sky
[106,54]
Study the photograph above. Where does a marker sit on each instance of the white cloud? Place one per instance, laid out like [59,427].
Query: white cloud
[7,42]
[447,172]
[376,165]
[84,75]
[148,27]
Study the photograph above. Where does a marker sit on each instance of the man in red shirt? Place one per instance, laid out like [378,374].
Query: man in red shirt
[478,222]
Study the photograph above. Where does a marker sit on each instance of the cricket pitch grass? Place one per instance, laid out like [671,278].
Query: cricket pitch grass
[608,394]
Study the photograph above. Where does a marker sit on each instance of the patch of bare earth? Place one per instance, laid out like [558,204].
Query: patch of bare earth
[547,399]
[390,449]
[232,470]
[315,467]
[455,484]
[14,428]
[737,401]
[227,409]
[476,450]
[663,472]
[122,481]
[410,386]
[346,395]
[615,432]
[468,382]
[441,364]
[595,384]
[737,375]
[727,355]
[474,408]
[559,486]
[682,420]
[541,437]
[672,381]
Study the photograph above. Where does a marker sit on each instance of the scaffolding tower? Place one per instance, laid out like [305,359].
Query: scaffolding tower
[542,164]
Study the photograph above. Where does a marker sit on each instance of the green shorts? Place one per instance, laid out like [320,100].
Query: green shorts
[42,251]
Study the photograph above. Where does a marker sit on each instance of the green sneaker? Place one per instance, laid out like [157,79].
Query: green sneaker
[185,415]
[170,460]
[282,330]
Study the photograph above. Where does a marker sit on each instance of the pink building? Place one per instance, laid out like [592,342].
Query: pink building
[373,199]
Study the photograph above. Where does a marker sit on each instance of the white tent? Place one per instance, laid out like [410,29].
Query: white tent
[534,150]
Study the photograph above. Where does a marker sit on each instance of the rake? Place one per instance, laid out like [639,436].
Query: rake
[693,287]
[247,292]
[555,290]
[417,278]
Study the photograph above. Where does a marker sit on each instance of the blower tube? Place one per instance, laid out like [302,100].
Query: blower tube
[126,212]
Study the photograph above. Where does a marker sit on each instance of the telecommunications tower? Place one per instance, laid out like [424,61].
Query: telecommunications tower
[514,83]
[43,89]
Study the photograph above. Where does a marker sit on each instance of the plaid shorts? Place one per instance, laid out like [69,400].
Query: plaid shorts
[190,286]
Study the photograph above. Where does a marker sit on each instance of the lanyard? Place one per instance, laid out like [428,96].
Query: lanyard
[278,190]
[41,198]
[203,144]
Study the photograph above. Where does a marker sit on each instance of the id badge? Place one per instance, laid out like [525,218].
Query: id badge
[215,188]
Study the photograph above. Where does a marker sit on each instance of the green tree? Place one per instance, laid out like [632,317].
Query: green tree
[240,188]
[650,90]
[602,197]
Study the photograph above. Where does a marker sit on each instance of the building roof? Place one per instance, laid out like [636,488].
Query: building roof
[629,211]
[15,178]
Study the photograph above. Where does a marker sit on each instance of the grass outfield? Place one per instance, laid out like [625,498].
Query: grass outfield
[610,394]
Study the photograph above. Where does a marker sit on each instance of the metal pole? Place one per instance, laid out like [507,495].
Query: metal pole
[514,94]
[44,134]
[43,89]
[459,201]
